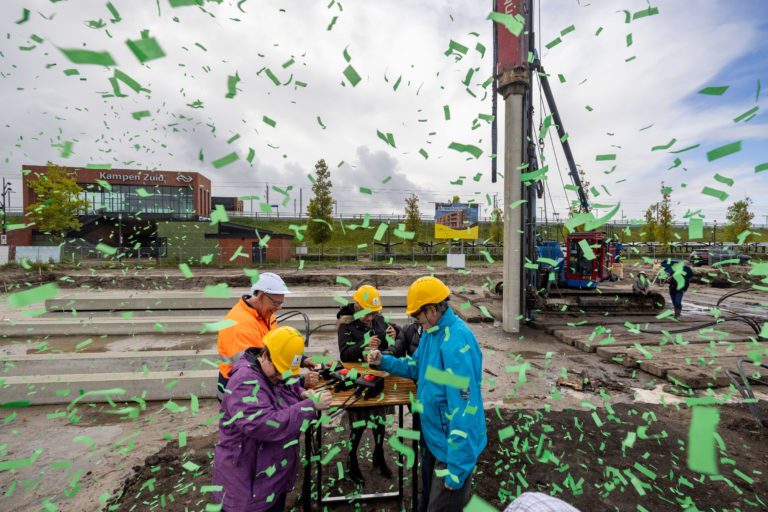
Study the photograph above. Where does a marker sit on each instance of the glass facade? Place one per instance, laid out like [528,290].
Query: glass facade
[125,198]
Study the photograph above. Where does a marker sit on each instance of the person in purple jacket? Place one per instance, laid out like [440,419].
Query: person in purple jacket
[256,460]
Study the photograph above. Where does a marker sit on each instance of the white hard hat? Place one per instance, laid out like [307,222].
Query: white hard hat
[270,283]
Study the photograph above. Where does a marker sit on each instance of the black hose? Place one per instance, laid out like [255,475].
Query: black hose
[750,321]
[290,314]
[731,294]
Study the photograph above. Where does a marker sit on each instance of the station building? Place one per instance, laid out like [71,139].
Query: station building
[136,211]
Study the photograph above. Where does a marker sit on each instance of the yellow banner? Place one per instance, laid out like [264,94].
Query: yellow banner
[443,232]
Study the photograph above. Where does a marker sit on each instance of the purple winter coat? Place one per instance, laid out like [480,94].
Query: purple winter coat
[251,461]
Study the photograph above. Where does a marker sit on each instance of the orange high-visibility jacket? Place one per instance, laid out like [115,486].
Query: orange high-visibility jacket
[249,331]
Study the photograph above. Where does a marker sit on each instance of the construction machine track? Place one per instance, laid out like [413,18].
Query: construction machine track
[598,301]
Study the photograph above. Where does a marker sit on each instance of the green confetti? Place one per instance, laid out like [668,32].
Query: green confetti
[146,48]
[351,75]
[24,16]
[719,194]
[106,249]
[515,24]
[445,378]
[714,91]
[761,167]
[724,151]
[185,270]
[232,81]
[21,463]
[269,121]
[33,296]
[365,190]
[702,451]
[225,160]
[665,146]
[190,466]
[746,114]
[696,229]
[78,56]
[141,114]
[556,41]
[587,250]
[466,148]
[606,157]
[343,280]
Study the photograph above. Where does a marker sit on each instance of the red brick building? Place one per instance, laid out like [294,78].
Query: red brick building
[111,191]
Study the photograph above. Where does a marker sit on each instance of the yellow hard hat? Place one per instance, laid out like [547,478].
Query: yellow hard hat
[367,297]
[426,290]
[286,346]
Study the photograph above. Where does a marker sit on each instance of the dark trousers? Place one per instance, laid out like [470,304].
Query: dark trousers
[677,298]
[442,499]
[279,504]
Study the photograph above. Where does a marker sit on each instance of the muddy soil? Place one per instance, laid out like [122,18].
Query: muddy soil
[587,458]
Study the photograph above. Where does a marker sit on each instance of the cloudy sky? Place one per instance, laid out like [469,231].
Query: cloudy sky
[628,87]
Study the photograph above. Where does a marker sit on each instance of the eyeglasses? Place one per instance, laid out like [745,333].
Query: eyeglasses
[415,315]
[273,301]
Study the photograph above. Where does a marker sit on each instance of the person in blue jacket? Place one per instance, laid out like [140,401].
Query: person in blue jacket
[447,367]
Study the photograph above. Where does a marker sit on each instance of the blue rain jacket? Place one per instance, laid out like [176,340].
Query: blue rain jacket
[453,420]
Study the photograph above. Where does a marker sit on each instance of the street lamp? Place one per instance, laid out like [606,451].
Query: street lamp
[714,233]
[5,194]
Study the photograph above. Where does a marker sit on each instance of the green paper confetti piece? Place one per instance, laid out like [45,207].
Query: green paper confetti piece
[604,158]
[696,229]
[453,46]
[587,250]
[185,270]
[21,463]
[714,91]
[665,146]
[746,114]
[330,455]
[225,160]
[447,112]
[725,180]
[515,24]
[719,194]
[724,151]
[83,343]
[190,466]
[380,231]
[556,41]
[388,138]
[466,148]
[761,167]
[33,296]
[351,75]
[269,121]
[217,326]
[146,48]
[24,17]
[365,190]
[106,249]
[115,15]
[232,81]
[702,452]
[650,11]
[183,3]
[78,56]
[398,446]
[445,378]
[424,153]
[320,122]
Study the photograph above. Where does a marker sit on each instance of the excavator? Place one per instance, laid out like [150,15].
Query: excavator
[555,279]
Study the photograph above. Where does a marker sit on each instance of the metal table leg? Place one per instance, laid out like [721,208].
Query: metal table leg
[306,497]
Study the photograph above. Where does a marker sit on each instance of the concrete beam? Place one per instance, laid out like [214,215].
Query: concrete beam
[157,325]
[113,362]
[299,300]
[63,389]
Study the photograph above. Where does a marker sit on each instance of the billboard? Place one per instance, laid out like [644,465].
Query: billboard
[457,220]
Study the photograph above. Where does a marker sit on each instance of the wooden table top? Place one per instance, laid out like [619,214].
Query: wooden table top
[397,390]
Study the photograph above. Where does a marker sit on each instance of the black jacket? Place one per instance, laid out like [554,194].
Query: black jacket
[407,341]
[352,334]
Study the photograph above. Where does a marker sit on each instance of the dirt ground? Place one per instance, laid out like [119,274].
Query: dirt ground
[581,456]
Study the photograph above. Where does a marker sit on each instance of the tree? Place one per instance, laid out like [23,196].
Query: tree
[497,225]
[412,217]
[664,217]
[58,202]
[651,224]
[739,219]
[320,207]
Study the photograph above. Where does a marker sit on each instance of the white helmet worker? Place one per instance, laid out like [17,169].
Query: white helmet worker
[270,283]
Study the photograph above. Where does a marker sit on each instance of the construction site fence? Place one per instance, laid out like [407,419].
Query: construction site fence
[206,257]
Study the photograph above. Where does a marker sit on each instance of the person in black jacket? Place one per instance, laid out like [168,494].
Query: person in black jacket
[358,336]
